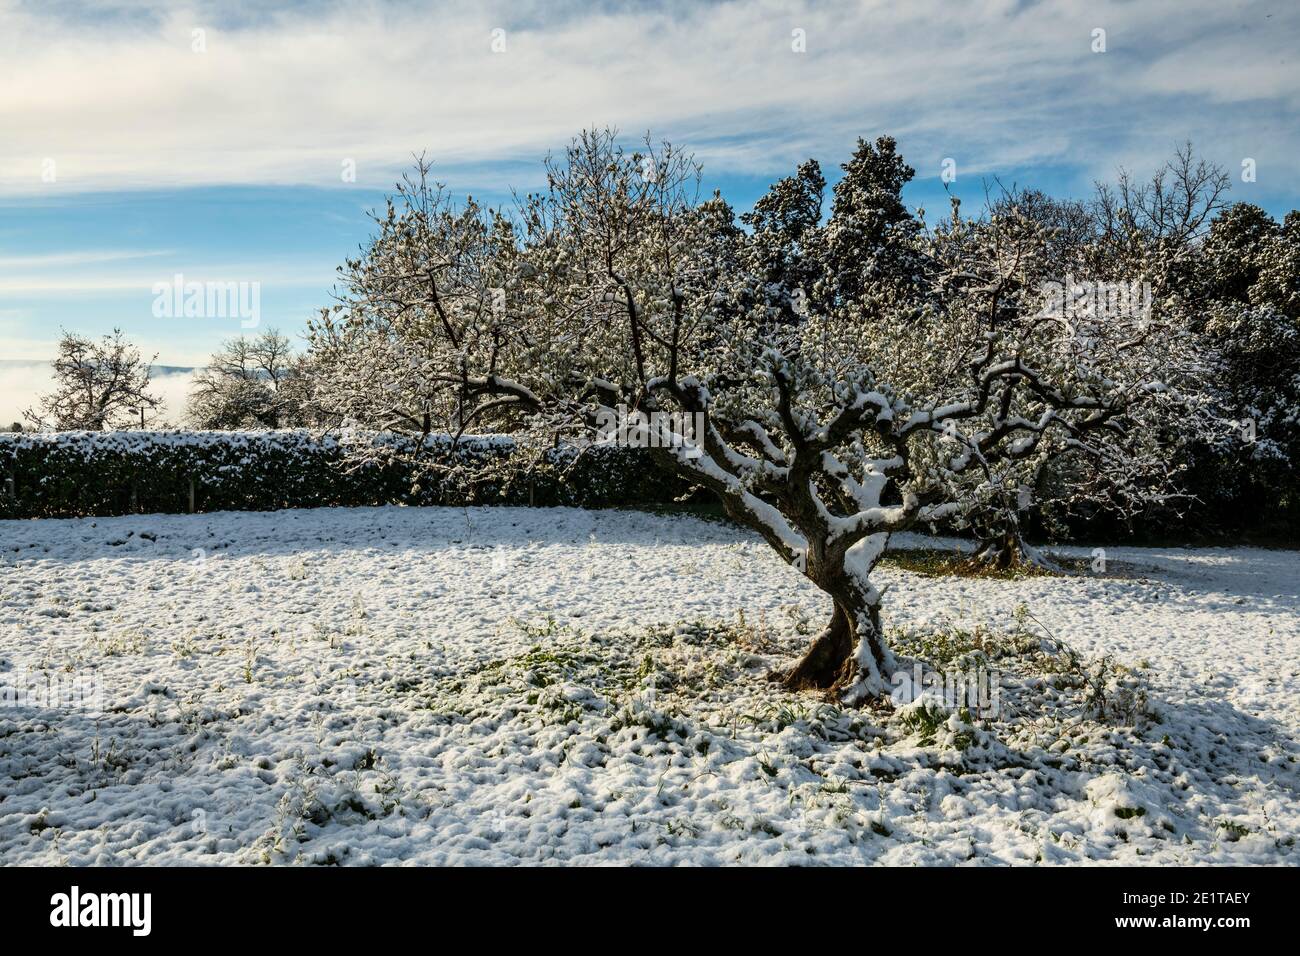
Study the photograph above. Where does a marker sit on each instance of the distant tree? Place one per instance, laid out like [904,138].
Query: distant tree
[1070,226]
[250,383]
[1160,220]
[784,254]
[99,385]
[870,237]
[1173,207]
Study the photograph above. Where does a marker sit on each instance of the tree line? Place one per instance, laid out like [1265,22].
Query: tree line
[445,296]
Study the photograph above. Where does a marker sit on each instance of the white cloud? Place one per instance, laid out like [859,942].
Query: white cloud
[174,390]
[21,385]
[117,98]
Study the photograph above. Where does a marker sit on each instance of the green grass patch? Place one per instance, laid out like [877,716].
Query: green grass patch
[941,562]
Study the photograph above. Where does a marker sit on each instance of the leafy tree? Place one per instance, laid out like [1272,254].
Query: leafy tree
[426,297]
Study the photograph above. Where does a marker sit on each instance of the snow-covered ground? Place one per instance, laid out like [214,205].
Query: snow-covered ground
[513,685]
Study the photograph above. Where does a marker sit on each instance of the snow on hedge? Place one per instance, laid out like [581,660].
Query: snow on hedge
[116,472]
[301,440]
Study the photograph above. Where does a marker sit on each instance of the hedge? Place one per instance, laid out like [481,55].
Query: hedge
[66,474]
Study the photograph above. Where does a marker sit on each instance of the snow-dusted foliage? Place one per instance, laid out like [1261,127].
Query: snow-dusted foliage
[618,294]
[1247,287]
[1104,336]
[64,474]
[251,383]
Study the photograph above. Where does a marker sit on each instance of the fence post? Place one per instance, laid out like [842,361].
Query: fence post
[11,490]
[191,494]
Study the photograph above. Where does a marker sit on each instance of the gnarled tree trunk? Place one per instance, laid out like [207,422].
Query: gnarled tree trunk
[1007,550]
[850,657]
[1001,551]
[821,664]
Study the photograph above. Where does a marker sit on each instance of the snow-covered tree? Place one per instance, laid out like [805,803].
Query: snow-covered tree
[870,248]
[1246,291]
[1106,328]
[421,319]
[612,297]
[1158,221]
[250,383]
[98,385]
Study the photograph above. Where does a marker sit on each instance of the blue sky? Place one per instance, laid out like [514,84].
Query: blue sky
[223,163]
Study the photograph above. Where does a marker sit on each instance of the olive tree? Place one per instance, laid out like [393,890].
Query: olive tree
[618,294]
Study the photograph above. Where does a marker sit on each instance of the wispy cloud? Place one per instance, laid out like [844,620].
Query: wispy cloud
[46,276]
[290,97]
[64,260]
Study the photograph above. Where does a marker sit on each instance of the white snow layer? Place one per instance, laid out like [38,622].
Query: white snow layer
[508,685]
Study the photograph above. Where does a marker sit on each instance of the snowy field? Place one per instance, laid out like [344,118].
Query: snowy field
[511,685]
